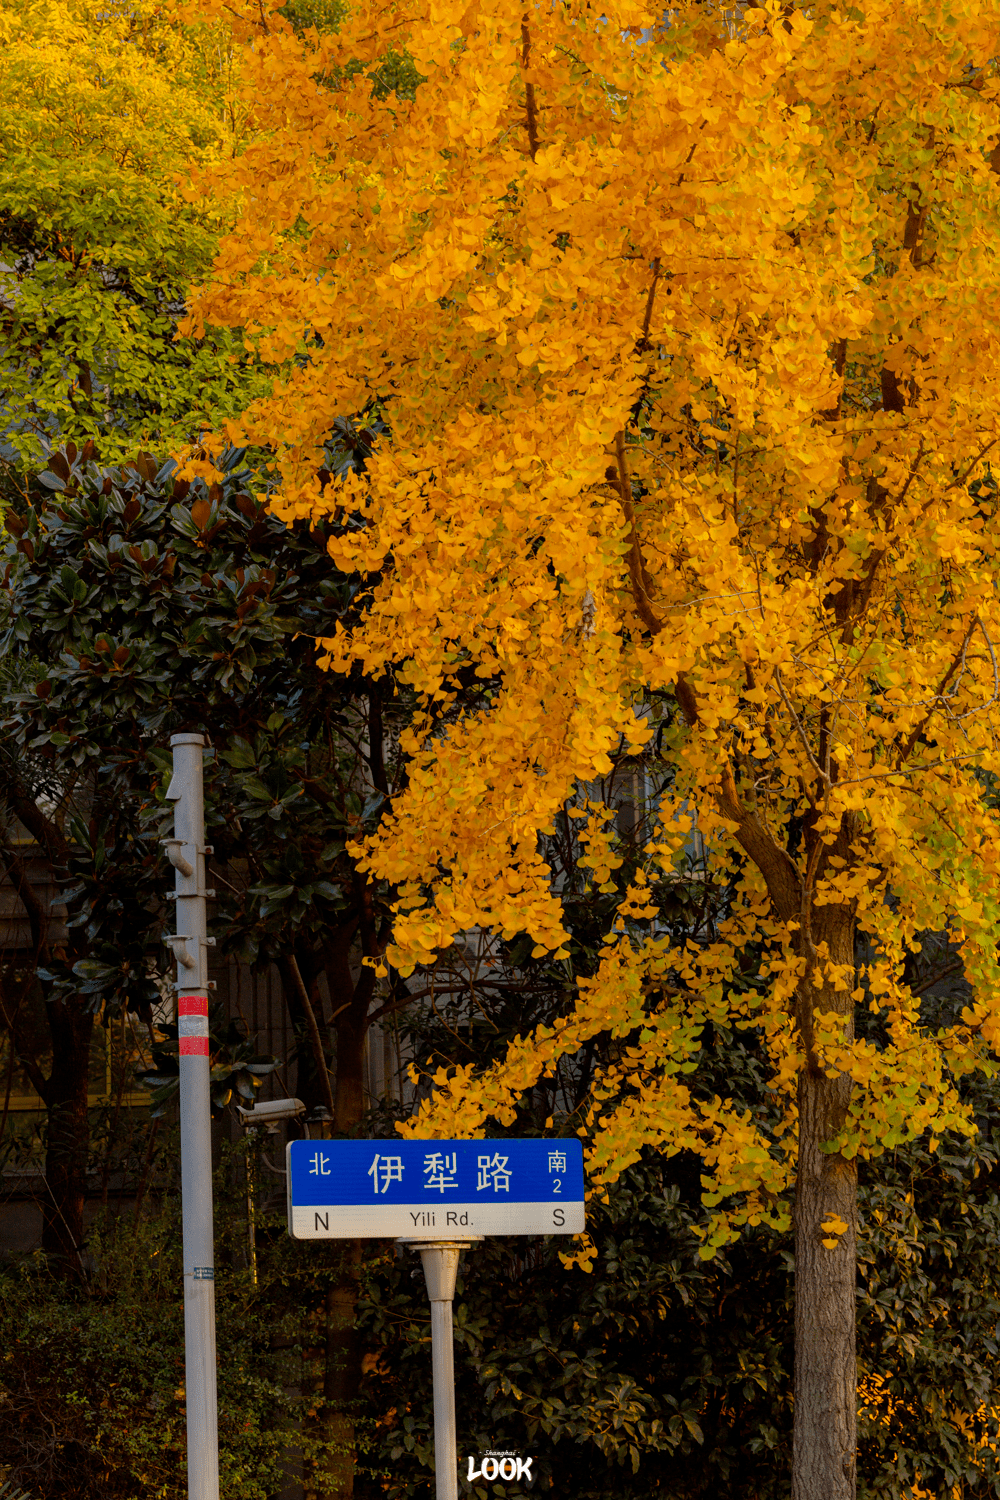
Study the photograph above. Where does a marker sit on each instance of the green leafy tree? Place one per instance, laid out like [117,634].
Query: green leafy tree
[104,108]
[101,961]
[157,606]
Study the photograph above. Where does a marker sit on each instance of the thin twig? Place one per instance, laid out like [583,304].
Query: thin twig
[641,582]
[531,108]
[69,1234]
[931,765]
[938,698]
[823,776]
[314,1033]
[648,316]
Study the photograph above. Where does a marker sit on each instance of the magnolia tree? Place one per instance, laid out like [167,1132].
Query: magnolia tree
[686,333]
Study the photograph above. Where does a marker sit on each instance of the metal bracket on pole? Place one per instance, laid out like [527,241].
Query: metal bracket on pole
[440,1261]
[176,942]
[186,852]
[174,847]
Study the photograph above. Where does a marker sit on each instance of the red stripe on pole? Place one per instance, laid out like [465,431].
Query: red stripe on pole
[192,1005]
[193,1046]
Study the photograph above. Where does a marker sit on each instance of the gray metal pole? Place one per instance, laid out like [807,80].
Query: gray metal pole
[187,855]
[440,1260]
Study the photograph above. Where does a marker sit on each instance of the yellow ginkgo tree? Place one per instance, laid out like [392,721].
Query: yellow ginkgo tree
[686,328]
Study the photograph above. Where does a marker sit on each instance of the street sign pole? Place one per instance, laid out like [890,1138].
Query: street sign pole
[437,1197]
[440,1260]
[187,851]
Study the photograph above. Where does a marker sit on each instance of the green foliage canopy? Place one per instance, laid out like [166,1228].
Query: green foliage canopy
[104,107]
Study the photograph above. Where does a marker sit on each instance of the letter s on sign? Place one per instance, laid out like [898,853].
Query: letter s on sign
[558,1217]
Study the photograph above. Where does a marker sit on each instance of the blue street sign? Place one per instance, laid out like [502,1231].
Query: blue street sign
[426,1189]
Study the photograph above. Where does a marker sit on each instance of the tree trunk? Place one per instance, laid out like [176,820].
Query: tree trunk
[333,1478]
[824,1447]
[71,1028]
[342,1375]
[351,1027]
[826,1187]
[311,1071]
[823,1463]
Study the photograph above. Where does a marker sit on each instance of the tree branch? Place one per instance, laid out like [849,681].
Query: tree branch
[640,580]
[774,863]
[319,1057]
[376,747]
[43,830]
[918,729]
[35,912]
[531,108]
[26,1057]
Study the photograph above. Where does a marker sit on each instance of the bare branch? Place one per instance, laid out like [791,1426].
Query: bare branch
[25,1056]
[314,1035]
[531,108]
[26,894]
[822,775]
[941,698]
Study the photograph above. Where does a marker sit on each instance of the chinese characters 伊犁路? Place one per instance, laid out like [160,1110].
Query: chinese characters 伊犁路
[440,1172]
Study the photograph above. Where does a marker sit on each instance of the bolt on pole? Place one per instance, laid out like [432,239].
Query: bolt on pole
[187,852]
